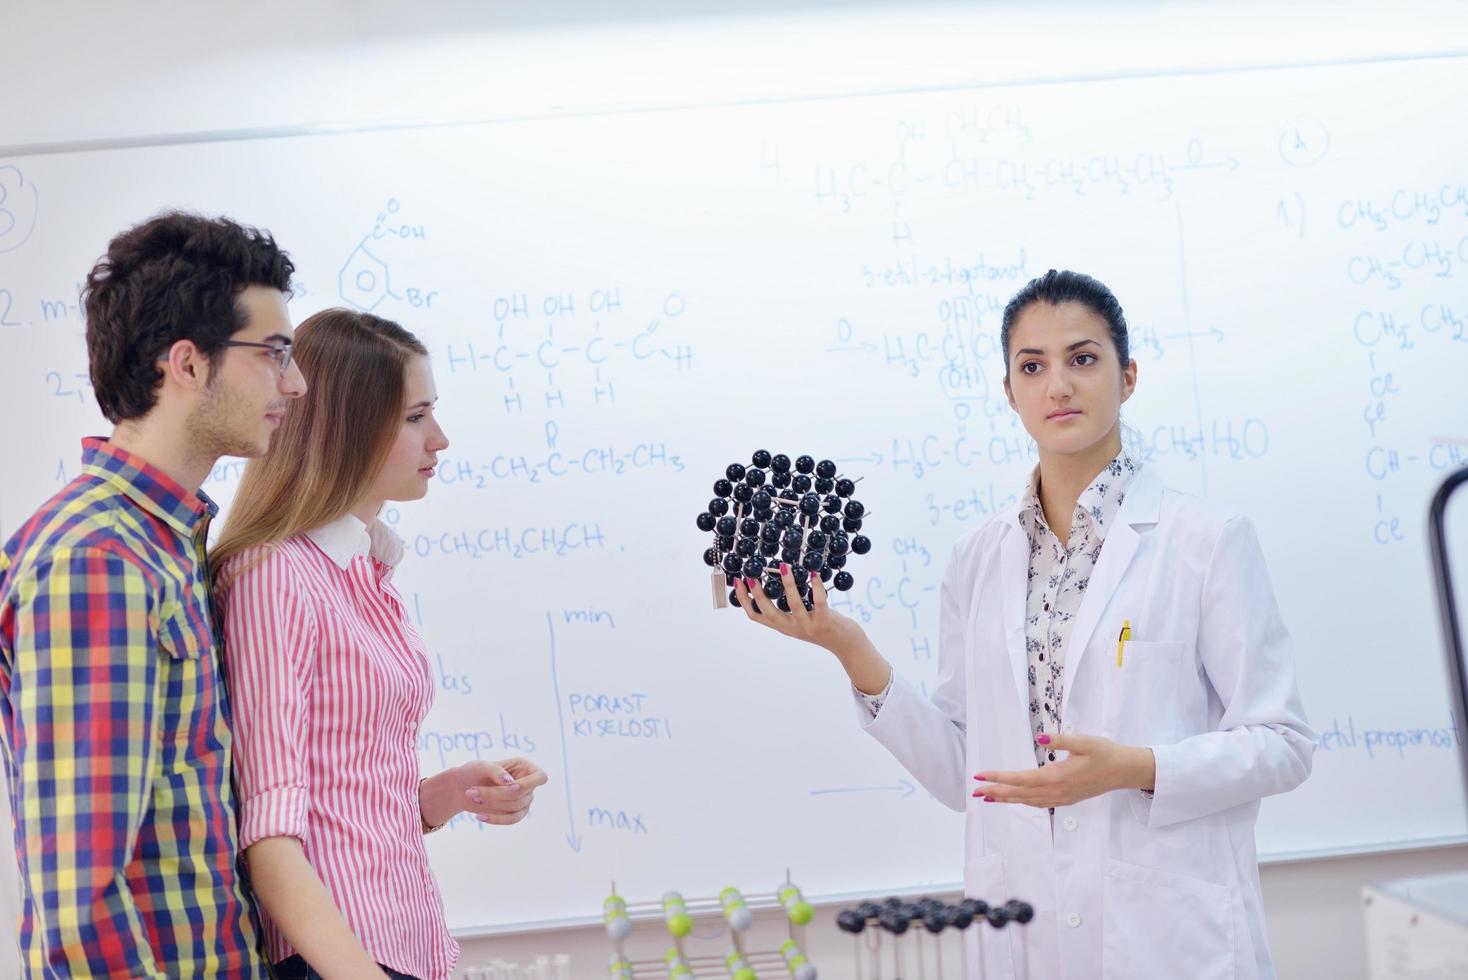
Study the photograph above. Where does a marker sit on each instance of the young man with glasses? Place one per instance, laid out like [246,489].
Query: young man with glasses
[116,723]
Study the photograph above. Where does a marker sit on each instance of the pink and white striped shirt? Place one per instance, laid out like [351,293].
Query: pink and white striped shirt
[329,683]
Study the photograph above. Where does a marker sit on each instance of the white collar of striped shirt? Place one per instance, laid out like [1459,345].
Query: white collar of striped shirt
[347,537]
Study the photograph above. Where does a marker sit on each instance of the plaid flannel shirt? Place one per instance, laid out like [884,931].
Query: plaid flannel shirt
[117,741]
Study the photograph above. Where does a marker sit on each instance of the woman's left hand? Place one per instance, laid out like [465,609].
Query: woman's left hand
[500,792]
[1095,766]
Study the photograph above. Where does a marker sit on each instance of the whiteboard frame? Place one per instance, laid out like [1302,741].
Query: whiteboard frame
[652,910]
[60,147]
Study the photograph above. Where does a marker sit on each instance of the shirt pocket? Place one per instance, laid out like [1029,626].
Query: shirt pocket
[1143,703]
[192,726]
[182,638]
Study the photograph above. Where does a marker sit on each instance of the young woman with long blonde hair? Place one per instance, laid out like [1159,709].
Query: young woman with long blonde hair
[328,679]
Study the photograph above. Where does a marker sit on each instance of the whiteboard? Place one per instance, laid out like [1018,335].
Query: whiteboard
[620,305]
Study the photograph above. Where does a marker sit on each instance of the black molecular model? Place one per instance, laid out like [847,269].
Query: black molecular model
[775,511]
[922,924]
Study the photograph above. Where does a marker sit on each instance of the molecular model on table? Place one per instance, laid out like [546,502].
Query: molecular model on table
[737,960]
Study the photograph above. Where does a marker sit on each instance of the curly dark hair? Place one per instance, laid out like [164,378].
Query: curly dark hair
[174,277]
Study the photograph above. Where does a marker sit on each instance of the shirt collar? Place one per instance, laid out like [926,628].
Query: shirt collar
[1098,503]
[147,486]
[347,537]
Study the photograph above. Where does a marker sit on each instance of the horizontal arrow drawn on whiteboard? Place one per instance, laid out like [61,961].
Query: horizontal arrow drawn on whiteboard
[902,786]
[1215,334]
[1232,163]
[572,838]
[875,459]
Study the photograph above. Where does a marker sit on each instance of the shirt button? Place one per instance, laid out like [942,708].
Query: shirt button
[1070,823]
[1073,920]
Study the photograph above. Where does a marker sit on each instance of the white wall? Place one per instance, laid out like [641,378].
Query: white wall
[79,73]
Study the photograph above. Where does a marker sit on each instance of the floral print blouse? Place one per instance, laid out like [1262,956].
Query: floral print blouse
[1058,576]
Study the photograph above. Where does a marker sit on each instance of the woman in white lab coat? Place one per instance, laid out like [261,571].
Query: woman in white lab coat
[1117,689]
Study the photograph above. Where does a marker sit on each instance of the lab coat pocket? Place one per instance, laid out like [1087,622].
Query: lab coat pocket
[1142,696]
[1165,925]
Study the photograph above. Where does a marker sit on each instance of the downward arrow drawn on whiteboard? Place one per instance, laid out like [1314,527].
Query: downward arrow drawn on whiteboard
[902,786]
[572,838]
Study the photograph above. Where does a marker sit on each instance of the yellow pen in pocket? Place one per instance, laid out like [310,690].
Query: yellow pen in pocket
[1126,634]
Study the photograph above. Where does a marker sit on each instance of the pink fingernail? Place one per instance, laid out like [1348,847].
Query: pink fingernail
[989,799]
[784,568]
[982,778]
[1042,739]
[506,778]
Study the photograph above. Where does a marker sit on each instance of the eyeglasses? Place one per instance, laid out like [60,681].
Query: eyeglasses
[280,353]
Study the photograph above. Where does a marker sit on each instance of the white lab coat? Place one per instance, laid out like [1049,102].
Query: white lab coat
[1124,888]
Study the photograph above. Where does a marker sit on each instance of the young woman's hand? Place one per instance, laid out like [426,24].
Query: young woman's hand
[821,625]
[500,792]
[1095,766]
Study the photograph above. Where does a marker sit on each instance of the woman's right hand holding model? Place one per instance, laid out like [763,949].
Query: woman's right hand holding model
[820,625]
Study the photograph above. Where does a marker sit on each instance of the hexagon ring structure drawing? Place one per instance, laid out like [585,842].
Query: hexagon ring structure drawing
[363,281]
[19,203]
